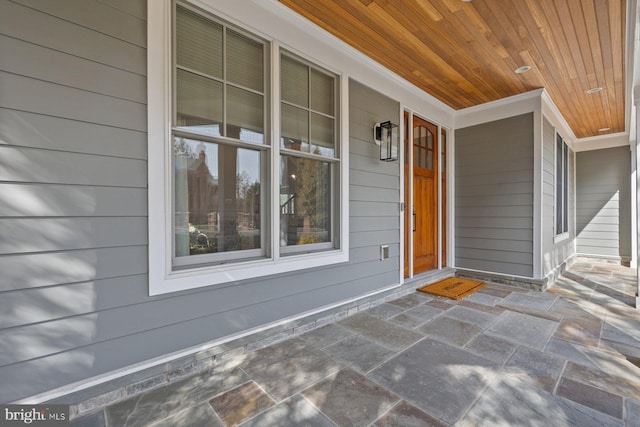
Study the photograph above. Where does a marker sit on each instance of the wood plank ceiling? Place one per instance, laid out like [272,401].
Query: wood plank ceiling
[465,52]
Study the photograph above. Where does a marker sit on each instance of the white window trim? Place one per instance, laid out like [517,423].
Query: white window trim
[557,238]
[162,278]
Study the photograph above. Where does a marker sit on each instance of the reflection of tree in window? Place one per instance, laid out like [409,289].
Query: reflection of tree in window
[217,199]
[308,208]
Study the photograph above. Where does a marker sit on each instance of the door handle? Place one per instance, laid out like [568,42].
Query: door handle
[414,220]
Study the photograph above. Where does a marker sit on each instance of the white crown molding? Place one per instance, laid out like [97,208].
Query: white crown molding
[553,114]
[500,109]
[600,142]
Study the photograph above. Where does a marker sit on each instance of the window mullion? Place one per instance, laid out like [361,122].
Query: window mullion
[565,187]
[308,106]
[275,151]
[224,81]
[311,156]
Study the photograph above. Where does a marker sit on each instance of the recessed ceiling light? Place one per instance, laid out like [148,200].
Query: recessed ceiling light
[522,69]
[467,1]
[594,90]
[603,129]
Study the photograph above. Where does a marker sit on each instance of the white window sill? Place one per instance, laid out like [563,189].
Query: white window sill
[561,237]
[174,281]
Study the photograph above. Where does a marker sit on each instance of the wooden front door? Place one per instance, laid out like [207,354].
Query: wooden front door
[425,195]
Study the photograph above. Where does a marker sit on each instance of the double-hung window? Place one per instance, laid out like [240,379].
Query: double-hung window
[562,187]
[246,164]
[308,156]
[219,151]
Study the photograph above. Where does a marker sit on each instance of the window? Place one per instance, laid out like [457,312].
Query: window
[218,138]
[245,180]
[308,156]
[562,186]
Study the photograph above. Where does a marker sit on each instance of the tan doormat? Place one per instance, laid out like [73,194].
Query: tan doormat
[452,287]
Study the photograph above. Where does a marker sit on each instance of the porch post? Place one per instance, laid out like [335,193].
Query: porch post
[634,203]
[633,135]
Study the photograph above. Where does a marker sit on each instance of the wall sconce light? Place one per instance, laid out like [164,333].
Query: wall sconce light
[386,136]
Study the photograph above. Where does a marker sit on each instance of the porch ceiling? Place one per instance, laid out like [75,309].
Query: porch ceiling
[465,53]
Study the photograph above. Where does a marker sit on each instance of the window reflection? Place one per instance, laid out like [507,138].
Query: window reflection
[305,201]
[423,148]
[217,198]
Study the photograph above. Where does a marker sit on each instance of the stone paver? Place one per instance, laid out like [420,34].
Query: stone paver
[440,304]
[632,413]
[581,330]
[509,402]
[482,307]
[524,329]
[603,380]
[411,300]
[288,376]
[492,348]
[441,379]
[294,412]
[350,399]
[385,311]
[500,357]
[326,335]
[90,420]
[196,416]
[360,353]
[388,334]
[469,315]
[591,396]
[450,330]
[241,403]
[160,403]
[407,415]
[496,291]
[483,298]
[535,367]
[569,351]
[407,321]
[536,301]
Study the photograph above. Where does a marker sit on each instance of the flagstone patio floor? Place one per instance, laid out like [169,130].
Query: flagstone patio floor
[502,356]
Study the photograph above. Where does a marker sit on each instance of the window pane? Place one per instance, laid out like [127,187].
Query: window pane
[443,159]
[559,186]
[199,103]
[305,201]
[294,128]
[294,82]
[565,188]
[422,141]
[217,198]
[198,43]
[322,97]
[322,135]
[430,150]
[245,115]
[245,61]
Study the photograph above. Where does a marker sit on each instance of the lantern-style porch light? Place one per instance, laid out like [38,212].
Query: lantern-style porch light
[386,136]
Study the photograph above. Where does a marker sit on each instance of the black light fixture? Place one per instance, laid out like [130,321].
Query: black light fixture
[386,136]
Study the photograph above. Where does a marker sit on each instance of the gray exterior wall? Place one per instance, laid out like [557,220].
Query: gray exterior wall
[494,196]
[603,206]
[555,254]
[73,228]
